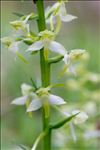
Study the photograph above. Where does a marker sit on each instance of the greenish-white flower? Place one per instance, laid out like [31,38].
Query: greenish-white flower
[80,118]
[39,98]
[21,25]
[44,97]
[70,58]
[60,10]
[10,44]
[58,13]
[47,42]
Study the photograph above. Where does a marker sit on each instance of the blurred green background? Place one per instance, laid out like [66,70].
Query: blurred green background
[80,92]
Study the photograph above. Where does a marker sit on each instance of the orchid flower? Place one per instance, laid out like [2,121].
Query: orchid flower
[13,46]
[80,118]
[70,58]
[10,44]
[21,25]
[58,10]
[39,98]
[46,42]
[44,97]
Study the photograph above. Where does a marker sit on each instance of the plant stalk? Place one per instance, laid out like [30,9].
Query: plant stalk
[45,74]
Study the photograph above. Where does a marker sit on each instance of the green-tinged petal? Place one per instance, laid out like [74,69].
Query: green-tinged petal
[18,24]
[67,18]
[14,47]
[51,23]
[56,100]
[26,89]
[62,9]
[21,58]
[58,25]
[27,17]
[20,100]
[56,47]
[66,59]
[73,132]
[34,105]
[63,71]
[27,29]
[36,46]
[71,69]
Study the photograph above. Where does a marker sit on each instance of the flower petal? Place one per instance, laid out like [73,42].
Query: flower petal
[72,70]
[62,9]
[73,132]
[20,100]
[34,105]
[14,47]
[36,46]
[66,59]
[56,100]
[67,18]
[56,47]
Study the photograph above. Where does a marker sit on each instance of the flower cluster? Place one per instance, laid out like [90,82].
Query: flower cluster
[35,98]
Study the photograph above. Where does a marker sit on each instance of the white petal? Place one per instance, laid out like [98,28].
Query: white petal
[14,47]
[34,105]
[62,10]
[66,59]
[73,132]
[56,47]
[20,101]
[36,46]
[27,28]
[56,100]
[72,70]
[67,18]
[27,18]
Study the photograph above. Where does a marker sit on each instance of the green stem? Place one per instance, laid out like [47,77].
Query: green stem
[45,73]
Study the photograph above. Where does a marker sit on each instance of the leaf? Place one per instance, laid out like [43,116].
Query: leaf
[62,122]
[59,118]
[21,58]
